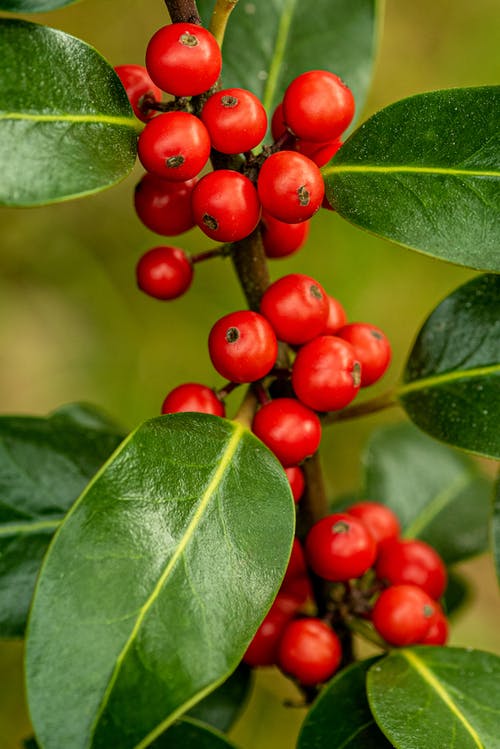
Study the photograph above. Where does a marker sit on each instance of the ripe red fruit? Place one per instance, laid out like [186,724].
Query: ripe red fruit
[372,349]
[242,346]
[296,564]
[263,650]
[326,374]
[235,120]
[412,562]
[337,317]
[339,548]
[403,614]
[320,153]
[138,85]
[164,272]
[296,306]
[295,476]
[164,206]
[318,106]
[225,205]
[290,186]
[183,59]
[379,519]
[289,429]
[309,651]
[174,145]
[278,127]
[438,630]
[191,396]
[281,239]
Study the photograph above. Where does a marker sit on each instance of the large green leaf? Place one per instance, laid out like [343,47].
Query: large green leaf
[222,707]
[33,6]
[156,582]
[451,385]
[269,42]
[425,172]
[438,494]
[495,529]
[428,697]
[45,463]
[187,733]
[66,126]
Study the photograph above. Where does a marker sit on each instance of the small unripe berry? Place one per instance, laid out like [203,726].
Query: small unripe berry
[309,651]
[164,272]
[242,346]
[193,397]
[339,548]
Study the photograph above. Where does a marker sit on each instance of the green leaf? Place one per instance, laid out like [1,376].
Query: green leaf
[222,707]
[425,172]
[156,582]
[45,463]
[438,494]
[33,6]
[341,716]
[428,697]
[66,126]
[495,528]
[456,595]
[267,44]
[188,733]
[451,385]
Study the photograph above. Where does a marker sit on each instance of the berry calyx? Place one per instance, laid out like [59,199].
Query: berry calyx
[403,615]
[242,346]
[372,349]
[289,429]
[339,548]
[164,272]
[235,120]
[281,239]
[309,651]
[225,205]
[139,87]
[295,476]
[193,397]
[296,306]
[413,562]
[380,521]
[164,206]
[174,145]
[290,186]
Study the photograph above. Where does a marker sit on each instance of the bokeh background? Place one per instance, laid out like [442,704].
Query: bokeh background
[74,327]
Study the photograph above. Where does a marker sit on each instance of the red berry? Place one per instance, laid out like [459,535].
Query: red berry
[164,272]
[164,206]
[296,564]
[281,239]
[379,519]
[337,317]
[242,346]
[295,476]
[340,548]
[235,119]
[263,650]
[191,396]
[278,127]
[290,186]
[183,59]
[300,588]
[174,145]
[326,374]
[226,206]
[137,83]
[412,562]
[320,153]
[403,615]
[309,651]
[318,106]
[289,429]
[438,629]
[372,349]
[296,306]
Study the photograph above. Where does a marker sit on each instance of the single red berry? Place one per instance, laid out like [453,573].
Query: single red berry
[372,349]
[281,239]
[289,429]
[413,562]
[183,59]
[337,317]
[139,86]
[299,588]
[297,307]
[296,564]
[339,548]
[278,127]
[320,153]
[326,374]
[290,186]
[242,346]
[403,615]
[164,206]
[263,650]
[318,106]
[191,396]
[379,519]
[309,651]
[226,206]
[174,145]
[438,630]
[295,476]
[164,272]
[235,119]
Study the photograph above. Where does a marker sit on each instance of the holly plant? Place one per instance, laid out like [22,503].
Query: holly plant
[151,573]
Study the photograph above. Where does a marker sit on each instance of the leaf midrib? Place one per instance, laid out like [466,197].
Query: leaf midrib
[17,529]
[73,118]
[437,505]
[407,169]
[446,377]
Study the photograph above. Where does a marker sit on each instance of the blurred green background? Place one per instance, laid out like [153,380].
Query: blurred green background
[74,327]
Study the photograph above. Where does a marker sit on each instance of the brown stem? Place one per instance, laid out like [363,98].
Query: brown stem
[314,503]
[381,402]
[250,264]
[183,11]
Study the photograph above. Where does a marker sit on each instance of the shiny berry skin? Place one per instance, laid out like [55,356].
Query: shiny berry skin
[193,397]
[379,519]
[174,145]
[412,562]
[278,127]
[242,346]
[318,106]
[164,272]
[164,206]
[263,650]
[281,239]
[289,429]
[438,630]
[226,206]
[295,476]
[309,651]
[403,614]
[320,153]
[137,83]
[296,306]
[290,187]
[372,349]
[296,564]
[235,119]
[337,317]
[326,374]
[183,59]
[339,548]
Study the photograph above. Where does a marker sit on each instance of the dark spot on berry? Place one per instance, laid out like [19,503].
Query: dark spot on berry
[341,527]
[232,335]
[428,611]
[210,222]
[174,161]
[376,334]
[229,101]
[303,195]
[356,374]
[188,40]
[315,292]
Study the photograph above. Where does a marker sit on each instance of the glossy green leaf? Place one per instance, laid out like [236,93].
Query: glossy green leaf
[438,494]
[425,172]
[428,697]
[222,707]
[187,733]
[495,529]
[451,384]
[33,6]
[45,463]
[341,716]
[156,582]
[267,44]
[66,126]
